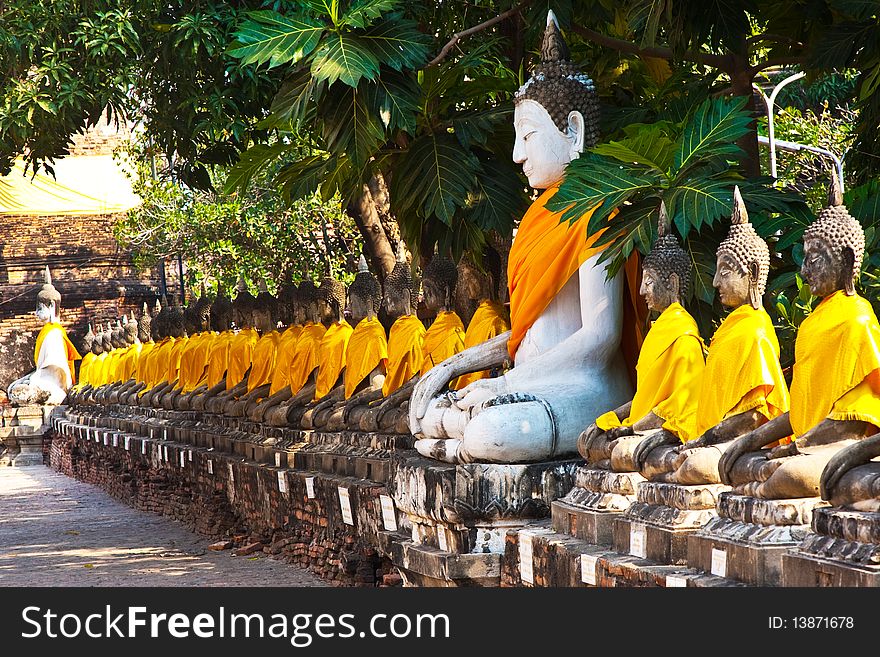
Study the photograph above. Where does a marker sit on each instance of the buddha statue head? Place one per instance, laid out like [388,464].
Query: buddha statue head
[117,336]
[307,309]
[833,247]
[556,113]
[221,312]
[88,340]
[48,300]
[743,261]
[288,299]
[264,309]
[176,326]
[332,297]
[190,318]
[399,288]
[107,339]
[158,327]
[666,270]
[98,342]
[438,283]
[143,326]
[131,330]
[364,293]
[243,307]
[479,283]
[203,312]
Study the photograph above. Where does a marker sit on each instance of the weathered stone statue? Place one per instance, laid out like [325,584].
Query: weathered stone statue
[365,358]
[330,355]
[566,318]
[259,379]
[141,346]
[304,364]
[194,357]
[406,338]
[669,368]
[83,377]
[835,389]
[54,356]
[168,357]
[743,384]
[489,318]
[218,357]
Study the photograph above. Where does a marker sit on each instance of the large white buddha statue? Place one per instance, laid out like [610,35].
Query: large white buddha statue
[54,356]
[566,317]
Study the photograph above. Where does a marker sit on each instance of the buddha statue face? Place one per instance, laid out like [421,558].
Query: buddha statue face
[659,292]
[541,149]
[263,319]
[397,300]
[436,295]
[45,312]
[733,281]
[438,285]
[364,293]
[48,300]
[825,269]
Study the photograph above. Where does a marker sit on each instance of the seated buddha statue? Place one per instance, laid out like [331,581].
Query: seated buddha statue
[290,316]
[302,371]
[168,357]
[127,393]
[365,358]
[835,387]
[330,374]
[490,318]
[669,367]
[259,379]
[213,381]
[743,362]
[194,358]
[82,378]
[241,352]
[54,356]
[851,478]
[566,315]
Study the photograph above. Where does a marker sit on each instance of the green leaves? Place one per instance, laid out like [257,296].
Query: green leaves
[269,37]
[344,57]
[350,126]
[712,132]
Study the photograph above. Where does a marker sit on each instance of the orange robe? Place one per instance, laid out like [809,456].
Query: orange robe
[331,357]
[241,353]
[218,358]
[283,357]
[72,353]
[265,353]
[444,338]
[405,352]
[489,321]
[305,356]
[367,350]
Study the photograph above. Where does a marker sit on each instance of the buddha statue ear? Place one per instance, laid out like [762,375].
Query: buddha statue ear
[674,283]
[575,133]
[754,274]
[849,275]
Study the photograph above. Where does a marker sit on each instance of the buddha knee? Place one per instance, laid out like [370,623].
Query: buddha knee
[509,433]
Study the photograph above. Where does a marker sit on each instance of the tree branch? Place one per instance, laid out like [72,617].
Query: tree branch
[723,62]
[777,61]
[473,30]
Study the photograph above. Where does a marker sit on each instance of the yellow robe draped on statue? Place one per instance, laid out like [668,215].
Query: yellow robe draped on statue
[140,369]
[72,353]
[742,370]
[114,368]
[83,378]
[305,356]
[331,357]
[444,338]
[405,352]
[544,255]
[98,370]
[283,357]
[836,363]
[489,320]
[172,372]
[367,349]
[129,361]
[265,353]
[668,372]
[194,361]
[157,365]
[218,358]
[241,353]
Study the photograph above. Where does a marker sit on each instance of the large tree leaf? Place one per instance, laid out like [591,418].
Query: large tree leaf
[267,36]
[303,178]
[293,104]
[595,180]
[250,162]
[498,199]
[698,201]
[478,127]
[863,202]
[434,178]
[350,125]
[649,147]
[703,263]
[397,43]
[839,43]
[364,12]
[397,99]
[345,57]
[712,131]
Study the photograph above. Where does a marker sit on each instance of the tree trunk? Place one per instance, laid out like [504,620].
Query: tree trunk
[741,83]
[366,212]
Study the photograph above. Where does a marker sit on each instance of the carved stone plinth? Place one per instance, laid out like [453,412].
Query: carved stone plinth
[21,432]
[463,512]
[842,550]
[657,525]
[748,540]
[599,496]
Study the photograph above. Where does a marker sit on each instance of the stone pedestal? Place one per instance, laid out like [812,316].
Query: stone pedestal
[748,539]
[21,432]
[842,550]
[454,518]
[589,509]
[657,525]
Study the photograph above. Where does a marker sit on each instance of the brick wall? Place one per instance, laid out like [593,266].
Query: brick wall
[96,279]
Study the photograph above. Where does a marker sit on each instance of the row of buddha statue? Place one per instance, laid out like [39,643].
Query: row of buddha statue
[725,414]
[315,357]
